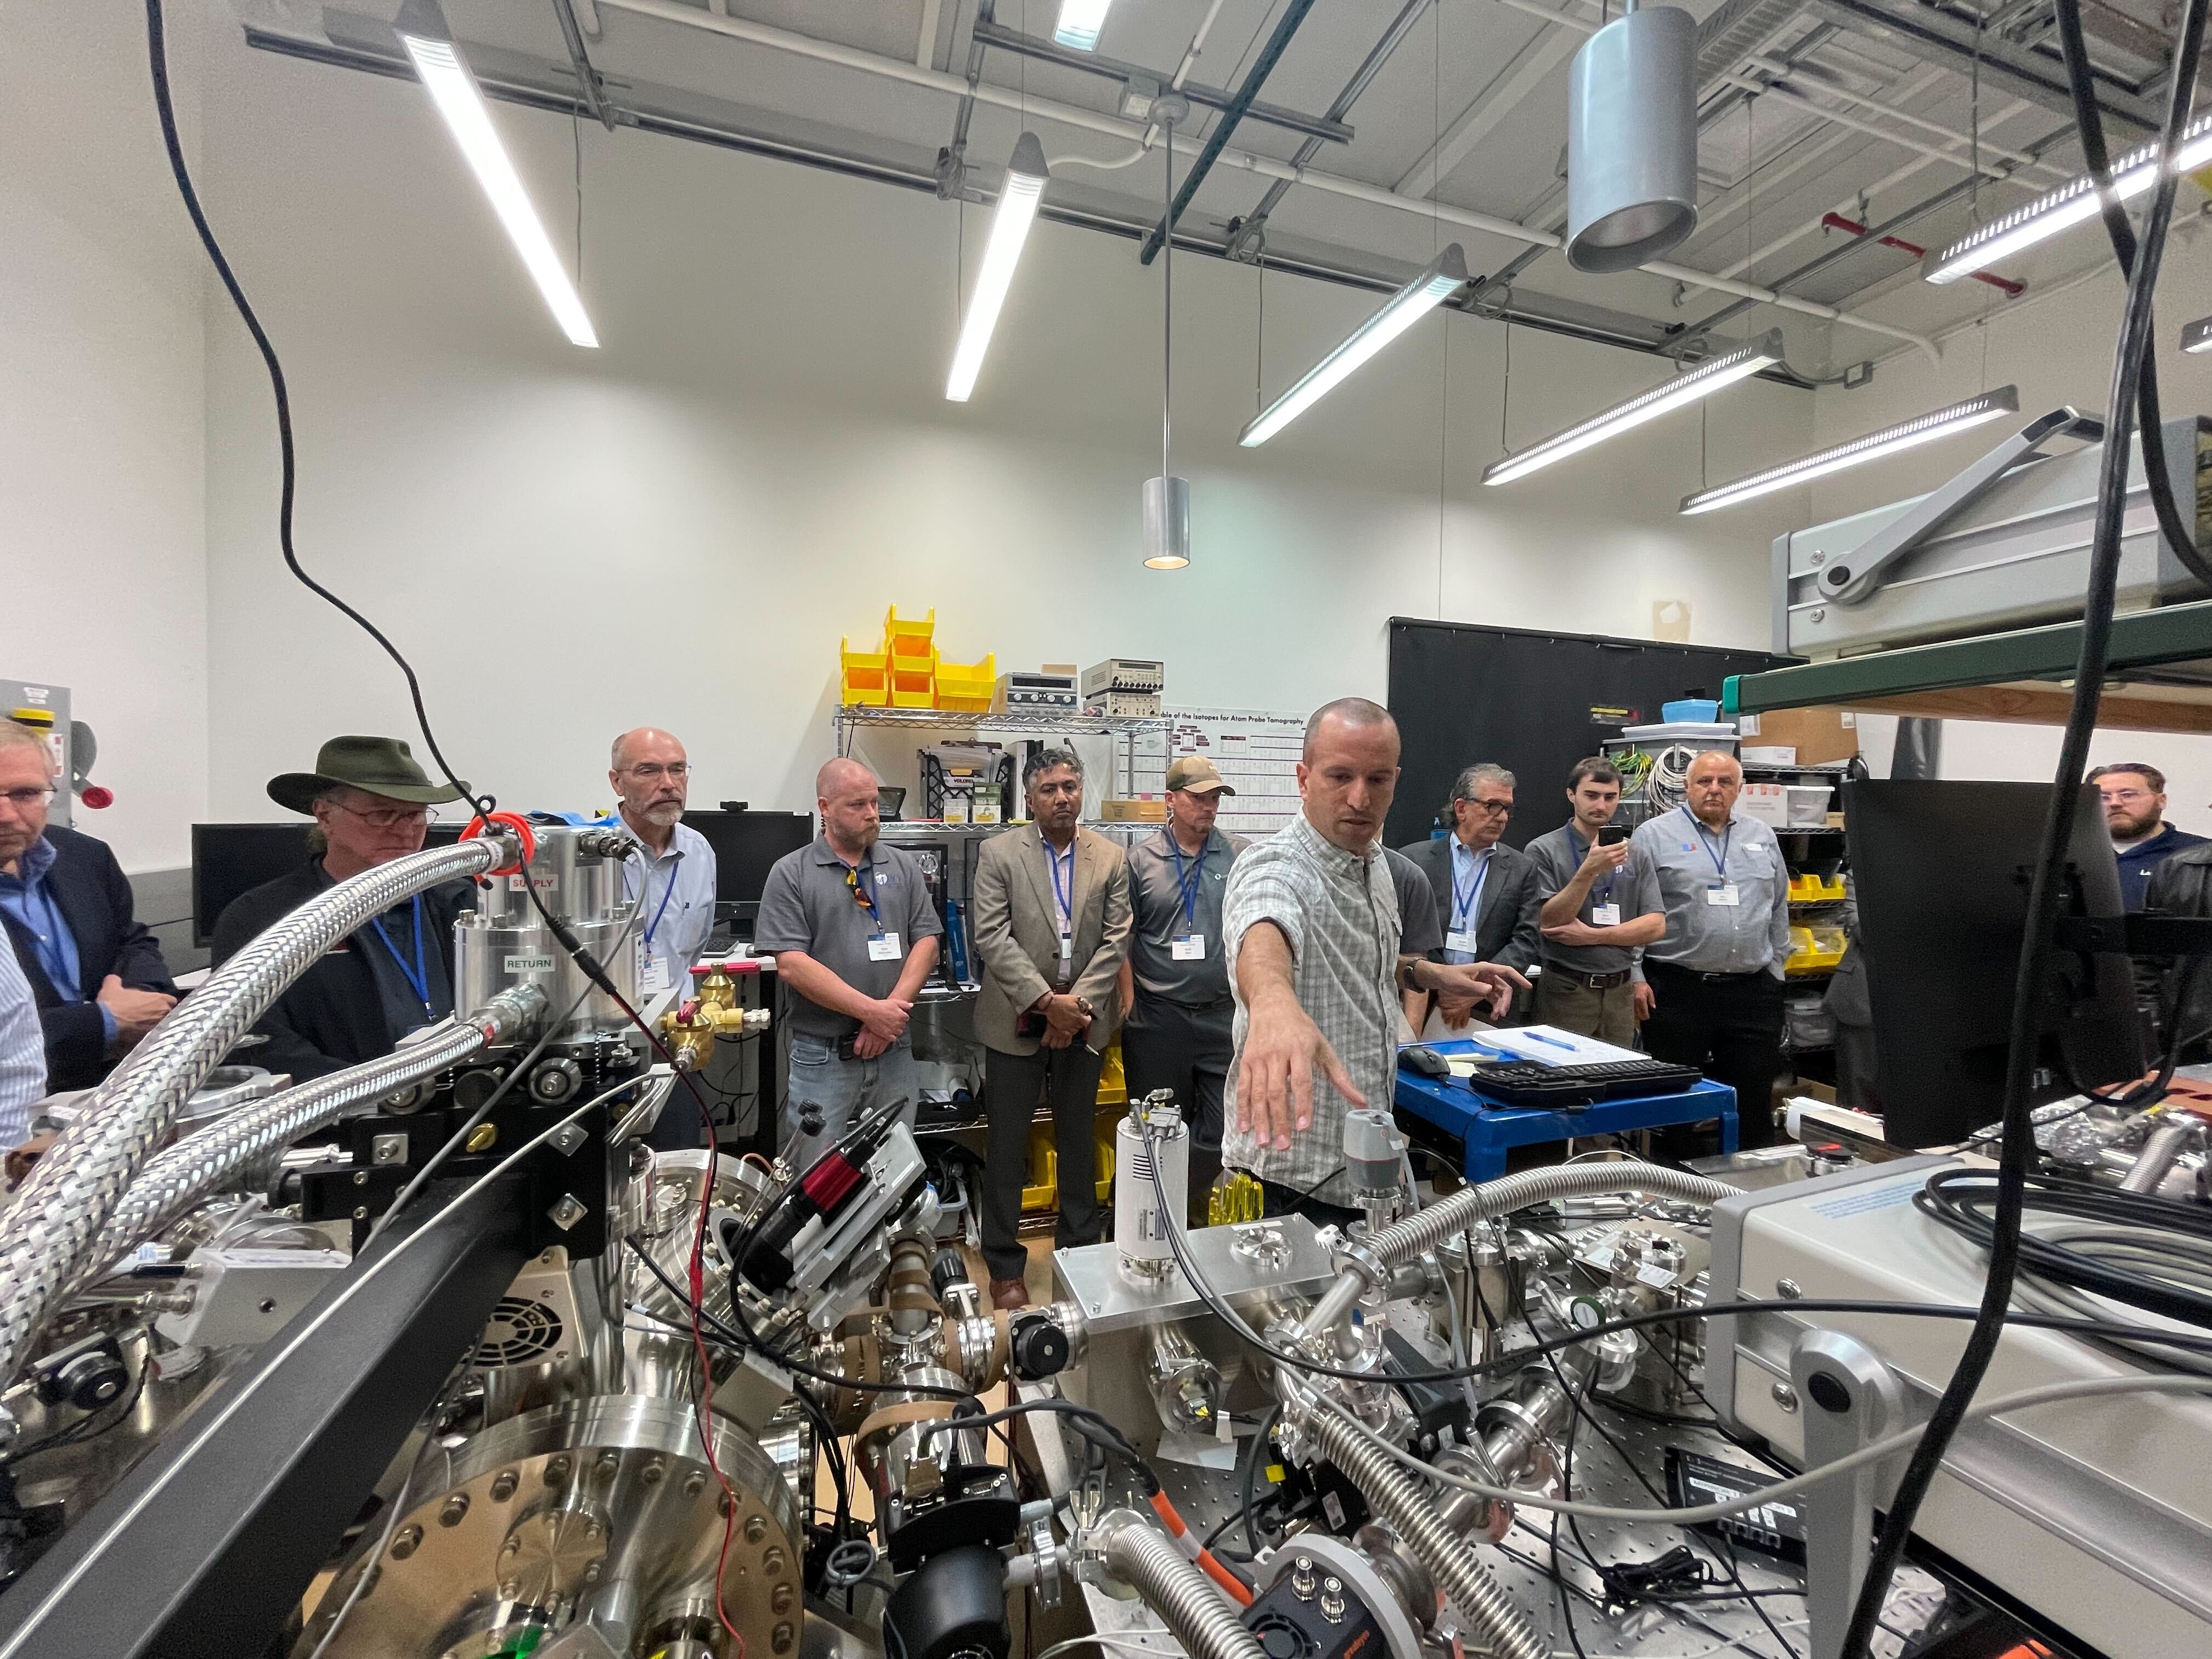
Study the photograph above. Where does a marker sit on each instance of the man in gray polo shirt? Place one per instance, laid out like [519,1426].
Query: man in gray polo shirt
[1176,999]
[1600,907]
[854,934]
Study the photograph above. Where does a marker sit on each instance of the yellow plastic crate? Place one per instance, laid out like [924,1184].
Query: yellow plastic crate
[1814,889]
[909,639]
[1113,1083]
[863,677]
[966,686]
[1813,950]
[913,687]
[1041,1190]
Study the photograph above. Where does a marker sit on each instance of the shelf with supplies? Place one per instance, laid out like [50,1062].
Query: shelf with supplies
[1016,722]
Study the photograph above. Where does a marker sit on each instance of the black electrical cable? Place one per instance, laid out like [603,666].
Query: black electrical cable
[1097,1429]
[91,1426]
[2017,1152]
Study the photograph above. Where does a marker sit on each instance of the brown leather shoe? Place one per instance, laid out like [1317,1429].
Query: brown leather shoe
[1008,1294]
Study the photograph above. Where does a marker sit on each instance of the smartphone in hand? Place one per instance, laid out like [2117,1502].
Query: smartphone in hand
[1611,834]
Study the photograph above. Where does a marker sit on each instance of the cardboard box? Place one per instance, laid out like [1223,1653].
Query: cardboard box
[1820,736]
[1777,755]
[1141,810]
[1767,802]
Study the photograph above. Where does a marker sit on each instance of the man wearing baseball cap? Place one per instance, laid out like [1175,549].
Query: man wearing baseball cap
[1174,983]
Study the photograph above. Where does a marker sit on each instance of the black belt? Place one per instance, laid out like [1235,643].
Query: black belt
[1588,981]
[1650,967]
[1215,1007]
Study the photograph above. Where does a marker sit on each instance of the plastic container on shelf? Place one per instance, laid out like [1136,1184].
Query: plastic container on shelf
[1813,950]
[912,641]
[1113,1083]
[1808,805]
[914,683]
[968,687]
[1041,1190]
[1809,889]
[864,679]
[1690,708]
[1806,1023]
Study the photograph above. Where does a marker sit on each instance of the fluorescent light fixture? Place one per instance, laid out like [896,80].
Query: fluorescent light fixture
[2071,202]
[1687,387]
[1010,228]
[1441,276]
[1925,429]
[458,98]
[1080,23]
[2198,336]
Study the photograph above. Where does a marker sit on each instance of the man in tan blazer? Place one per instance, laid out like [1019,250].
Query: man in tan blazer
[1050,916]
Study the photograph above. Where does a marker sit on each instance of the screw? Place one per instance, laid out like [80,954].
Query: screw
[405,1544]
[693,1482]
[509,1547]
[772,1561]
[782,1597]
[503,1486]
[361,1212]
[651,1472]
[507,1588]
[756,1528]
[482,1137]
[1785,1397]
[568,1212]
[609,1461]
[557,1470]
[268,1305]
[1787,1289]
[361,1177]
[591,1573]
[456,1507]
[1819,613]
[1819,558]
[782,1639]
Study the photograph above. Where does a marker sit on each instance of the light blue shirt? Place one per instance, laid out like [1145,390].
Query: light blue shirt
[1470,874]
[29,897]
[1750,935]
[678,901]
[22,1053]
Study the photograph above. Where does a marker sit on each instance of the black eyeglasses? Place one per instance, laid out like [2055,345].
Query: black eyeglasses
[24,800]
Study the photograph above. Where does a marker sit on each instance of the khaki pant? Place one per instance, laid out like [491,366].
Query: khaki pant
[1608,1016]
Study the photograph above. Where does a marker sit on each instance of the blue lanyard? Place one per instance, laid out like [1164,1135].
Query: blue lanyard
[1066,894]
[666,894]
[419,980]
[1186,888]
[1465,904]
[1574,846]
[1720,862]
[863,884]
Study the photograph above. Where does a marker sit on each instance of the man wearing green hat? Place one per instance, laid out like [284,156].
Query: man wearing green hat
[372,804]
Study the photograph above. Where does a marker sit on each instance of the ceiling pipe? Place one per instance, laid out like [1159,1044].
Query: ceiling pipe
[1036,108]
[1340,106]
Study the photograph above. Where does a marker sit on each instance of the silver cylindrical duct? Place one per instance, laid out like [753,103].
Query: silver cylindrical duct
[46,1237]
[1169,1583]
[578,876]
[1632,141]
[1140,1227]
[201,1164]
[1493,1619]
[1167,523]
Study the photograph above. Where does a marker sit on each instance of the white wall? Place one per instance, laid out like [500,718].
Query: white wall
[102,540]
[2058,348]
[678,528]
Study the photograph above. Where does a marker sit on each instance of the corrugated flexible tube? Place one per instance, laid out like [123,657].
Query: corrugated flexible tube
[1171,1584]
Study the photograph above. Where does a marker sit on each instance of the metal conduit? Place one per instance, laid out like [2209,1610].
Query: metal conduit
[1172,1585]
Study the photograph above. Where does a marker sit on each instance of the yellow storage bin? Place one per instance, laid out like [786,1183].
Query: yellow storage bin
[966,686]
[1814,890]
[910,640]
[1041,1190]
[864,677]
[1814,950]
[1113,1082]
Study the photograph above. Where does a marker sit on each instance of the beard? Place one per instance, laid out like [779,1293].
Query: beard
[2134,829]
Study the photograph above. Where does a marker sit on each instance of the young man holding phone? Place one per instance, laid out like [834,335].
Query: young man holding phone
[1600,906]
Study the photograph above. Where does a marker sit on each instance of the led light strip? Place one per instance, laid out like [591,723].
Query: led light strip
[1702,381]
[1443,275]
[454,89]
[1010,229]
[1924,429]
[2197,336]
[2068,205]
[1080,22]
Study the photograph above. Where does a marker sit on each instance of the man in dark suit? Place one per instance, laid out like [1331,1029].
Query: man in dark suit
[96,975]
[1486,894]
[370,803]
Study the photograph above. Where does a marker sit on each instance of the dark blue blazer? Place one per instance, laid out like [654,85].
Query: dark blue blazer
[94,895]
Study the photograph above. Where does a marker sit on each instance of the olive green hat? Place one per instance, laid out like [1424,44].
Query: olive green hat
[376,766]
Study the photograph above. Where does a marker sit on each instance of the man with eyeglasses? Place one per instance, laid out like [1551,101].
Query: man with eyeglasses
[675,881]
[1484,893]
[94,971]
[2135,815]
[372,804]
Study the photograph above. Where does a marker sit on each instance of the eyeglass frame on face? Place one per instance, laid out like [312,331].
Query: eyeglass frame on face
[24,800]
[654,771]
[389,817]
[1490,808]
[2128,794]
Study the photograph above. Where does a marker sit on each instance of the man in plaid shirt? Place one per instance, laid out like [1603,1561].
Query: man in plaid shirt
[1311,929]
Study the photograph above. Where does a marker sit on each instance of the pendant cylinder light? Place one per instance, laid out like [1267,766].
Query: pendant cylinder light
[1167,498]
[1632,140]
[1167,523]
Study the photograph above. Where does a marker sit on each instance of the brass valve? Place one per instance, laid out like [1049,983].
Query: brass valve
[691,1028]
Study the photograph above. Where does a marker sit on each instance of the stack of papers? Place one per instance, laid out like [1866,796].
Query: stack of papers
[1547,1045]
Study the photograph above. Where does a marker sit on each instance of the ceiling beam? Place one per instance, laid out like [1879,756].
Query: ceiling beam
[925,46]
[1530,67]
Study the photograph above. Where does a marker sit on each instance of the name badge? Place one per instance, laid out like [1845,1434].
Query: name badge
[652,976]
[1722,895]
[1190,947]
[1605,916]
[883,947]
[1462,941]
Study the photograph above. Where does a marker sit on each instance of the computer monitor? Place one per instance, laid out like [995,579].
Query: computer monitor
[746,846]
[1940,871]
[230,858]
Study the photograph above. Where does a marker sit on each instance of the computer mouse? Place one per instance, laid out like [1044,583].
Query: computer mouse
[1425,1061]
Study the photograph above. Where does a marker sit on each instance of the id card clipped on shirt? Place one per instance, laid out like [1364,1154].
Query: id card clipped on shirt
[1722,893]
[883,947]
[1463,940]
[1187,947]
[1605,916]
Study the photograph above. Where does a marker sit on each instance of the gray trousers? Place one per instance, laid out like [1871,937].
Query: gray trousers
[1608,1016]
[843,1091]
[1011,1085]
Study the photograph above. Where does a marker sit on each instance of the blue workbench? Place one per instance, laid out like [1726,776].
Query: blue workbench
[1448,1112]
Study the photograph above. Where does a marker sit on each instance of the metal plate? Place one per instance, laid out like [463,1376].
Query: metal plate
[1092,1276]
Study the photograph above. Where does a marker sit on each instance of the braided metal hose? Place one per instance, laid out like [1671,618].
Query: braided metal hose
[202,1163]
[1203,1620]
[1426,1228]
[1494,1622]
[46,1237]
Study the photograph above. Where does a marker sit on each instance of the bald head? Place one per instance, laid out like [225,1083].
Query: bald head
[651,777]
[845,795]
[1347,714]
[1715,780]
[1350,772]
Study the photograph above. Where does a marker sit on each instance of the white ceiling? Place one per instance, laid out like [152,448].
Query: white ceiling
[1771,165]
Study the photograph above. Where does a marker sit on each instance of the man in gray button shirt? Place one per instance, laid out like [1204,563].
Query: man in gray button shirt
[1716,979]
[1600,907]
[854,934]
[1177,1005]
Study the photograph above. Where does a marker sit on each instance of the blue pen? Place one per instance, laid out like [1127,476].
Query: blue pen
[1538,1036]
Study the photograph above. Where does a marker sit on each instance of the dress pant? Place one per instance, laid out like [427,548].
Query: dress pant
[1568,1004]
[1730,1027]
[1011,1085]
[1187,1050]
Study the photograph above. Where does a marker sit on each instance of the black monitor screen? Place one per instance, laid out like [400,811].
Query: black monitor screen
[230,858]
[1940,871]
[746,846]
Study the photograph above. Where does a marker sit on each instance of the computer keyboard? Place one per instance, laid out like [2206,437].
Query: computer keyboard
[1525,1083]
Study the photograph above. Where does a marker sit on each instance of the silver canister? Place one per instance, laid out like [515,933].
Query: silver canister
[577,875]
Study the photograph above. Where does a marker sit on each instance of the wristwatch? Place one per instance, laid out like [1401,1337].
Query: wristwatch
[1084,1003]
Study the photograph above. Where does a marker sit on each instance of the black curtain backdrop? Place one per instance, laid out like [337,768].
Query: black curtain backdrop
[1532,702]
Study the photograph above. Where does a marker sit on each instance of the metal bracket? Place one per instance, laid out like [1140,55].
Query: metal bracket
[1856,577]
[1850,1398]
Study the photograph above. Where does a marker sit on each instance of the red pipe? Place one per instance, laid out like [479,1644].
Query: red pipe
[1837,222]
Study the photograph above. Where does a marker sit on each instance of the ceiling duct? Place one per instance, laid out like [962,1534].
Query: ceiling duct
[1632,141]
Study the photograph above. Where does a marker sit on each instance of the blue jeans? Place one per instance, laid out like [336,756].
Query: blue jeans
[842,1089]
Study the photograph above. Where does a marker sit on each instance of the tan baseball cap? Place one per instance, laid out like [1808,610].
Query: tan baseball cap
[1196,775]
